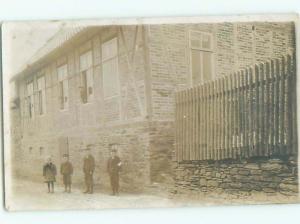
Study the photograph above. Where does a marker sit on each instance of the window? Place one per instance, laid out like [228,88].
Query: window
[41,151]
[29,99]
[201,56]
[63,145]
[63,86]
[30,150]
[86,71]
[111,86]
[41,91]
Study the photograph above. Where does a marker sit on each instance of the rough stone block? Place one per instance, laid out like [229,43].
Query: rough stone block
[218,175]
[269,190]
[252,166]
[234,171]
[289,187]
[235,185]
[212,183]
[255,172]
[271,166]
[203,182]
[244,172]
[202,171]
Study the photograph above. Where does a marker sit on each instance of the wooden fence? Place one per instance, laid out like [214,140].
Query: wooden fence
[246,114]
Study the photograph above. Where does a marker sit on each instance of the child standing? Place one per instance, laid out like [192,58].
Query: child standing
[49,173]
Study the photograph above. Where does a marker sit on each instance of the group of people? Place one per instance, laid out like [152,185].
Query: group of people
[66,170]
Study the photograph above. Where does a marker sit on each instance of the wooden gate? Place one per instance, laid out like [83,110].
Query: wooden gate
[246,114]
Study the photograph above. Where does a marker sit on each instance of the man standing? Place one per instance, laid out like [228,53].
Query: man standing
[113,168]
[88,169]
[49,173]
[66,169]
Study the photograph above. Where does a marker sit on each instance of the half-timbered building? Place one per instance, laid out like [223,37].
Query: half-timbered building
[115,85]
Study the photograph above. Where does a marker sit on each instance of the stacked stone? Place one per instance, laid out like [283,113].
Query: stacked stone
[264,175]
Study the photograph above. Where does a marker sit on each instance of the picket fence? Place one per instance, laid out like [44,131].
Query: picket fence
[246,114]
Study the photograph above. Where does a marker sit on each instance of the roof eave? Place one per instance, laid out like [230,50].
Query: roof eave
[54,53]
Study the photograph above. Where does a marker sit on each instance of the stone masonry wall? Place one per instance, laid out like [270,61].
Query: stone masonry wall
[269,175]
[133,149]
[161,145]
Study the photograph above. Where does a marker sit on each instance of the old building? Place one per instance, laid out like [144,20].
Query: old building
[104,85]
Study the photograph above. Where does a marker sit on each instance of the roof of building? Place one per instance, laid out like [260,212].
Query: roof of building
[64,35]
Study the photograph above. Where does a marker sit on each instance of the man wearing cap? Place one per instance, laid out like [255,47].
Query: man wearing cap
[113,169]
[88,170]
[66,169]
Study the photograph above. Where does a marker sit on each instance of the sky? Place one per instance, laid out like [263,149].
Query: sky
[23,40]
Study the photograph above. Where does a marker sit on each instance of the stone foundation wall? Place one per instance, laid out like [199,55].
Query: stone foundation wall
[133,149]
[269,175]
[144,147]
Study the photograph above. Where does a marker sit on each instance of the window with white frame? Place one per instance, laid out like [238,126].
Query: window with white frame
[86,73]
[30,99]
[111,86]
[41,92]
[63,86]
[201,47]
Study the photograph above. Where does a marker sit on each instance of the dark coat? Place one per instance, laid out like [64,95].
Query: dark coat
[66,168]
[49,172]
[88,164]
[113,166]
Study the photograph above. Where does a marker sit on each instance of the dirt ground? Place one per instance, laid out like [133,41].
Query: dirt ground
[26,195]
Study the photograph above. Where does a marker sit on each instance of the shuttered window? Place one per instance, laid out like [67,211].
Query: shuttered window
[111,85]
[41,91]
[87,81]
[201,47]
[30,100]
[63,85]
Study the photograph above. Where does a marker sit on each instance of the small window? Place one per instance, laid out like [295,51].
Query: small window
[63,85]
[201,47]
[41,151]
[41,91]
[30,100]
[30,150]
[111,86]
[86,71]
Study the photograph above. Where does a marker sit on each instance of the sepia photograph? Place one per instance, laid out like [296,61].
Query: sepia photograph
[143,113]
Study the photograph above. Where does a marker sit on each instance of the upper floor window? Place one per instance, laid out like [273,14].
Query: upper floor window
[86,74]
[63,86]
[30,99]
[111,86]
[201,47]
[41,92]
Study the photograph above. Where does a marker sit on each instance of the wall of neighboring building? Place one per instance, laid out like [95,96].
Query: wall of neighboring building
[235,46]
[100,122]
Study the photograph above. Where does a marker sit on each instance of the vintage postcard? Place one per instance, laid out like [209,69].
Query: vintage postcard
[165,112]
